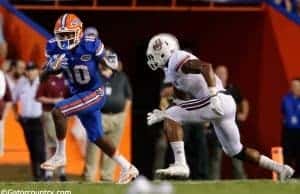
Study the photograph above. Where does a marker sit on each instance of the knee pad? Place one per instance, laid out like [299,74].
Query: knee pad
[241,155]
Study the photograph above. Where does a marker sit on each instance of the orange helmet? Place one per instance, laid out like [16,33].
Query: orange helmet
[68,31]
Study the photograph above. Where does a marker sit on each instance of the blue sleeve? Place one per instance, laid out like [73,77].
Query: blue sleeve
[94,46]
[52,52]
[51,48]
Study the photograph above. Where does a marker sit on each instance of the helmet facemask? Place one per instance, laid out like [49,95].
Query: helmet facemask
[67,39]
[156,60]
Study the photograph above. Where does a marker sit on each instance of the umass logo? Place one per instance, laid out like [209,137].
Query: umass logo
[157,45]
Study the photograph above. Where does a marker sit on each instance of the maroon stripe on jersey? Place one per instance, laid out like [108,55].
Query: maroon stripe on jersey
[189,101]
[197,107]
[194,100]
[183,61]
[194,103]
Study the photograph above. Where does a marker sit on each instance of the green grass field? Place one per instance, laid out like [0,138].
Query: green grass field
[13,178]
[181,187]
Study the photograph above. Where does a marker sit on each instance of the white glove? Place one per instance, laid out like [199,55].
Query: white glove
[155,116]
[215,102]
[55,61]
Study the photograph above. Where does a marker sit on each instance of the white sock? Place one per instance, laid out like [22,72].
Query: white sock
[49,173]
[61,170]
[61,147]
[121,161]
[178,150]
[267,163]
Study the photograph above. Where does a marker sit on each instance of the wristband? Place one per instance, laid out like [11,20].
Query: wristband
[212,90]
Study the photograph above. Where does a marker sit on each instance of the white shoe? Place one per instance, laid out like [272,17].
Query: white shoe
[286,173]
[176,170]
[54,162]
[128,175]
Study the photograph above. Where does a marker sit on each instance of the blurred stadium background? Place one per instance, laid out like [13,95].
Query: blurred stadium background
[257,40]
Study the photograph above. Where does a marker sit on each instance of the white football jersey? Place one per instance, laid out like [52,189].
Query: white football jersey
[192,84]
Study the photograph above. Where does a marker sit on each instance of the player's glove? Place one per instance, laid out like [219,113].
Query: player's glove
[215,102]
[54,62]
[155,116]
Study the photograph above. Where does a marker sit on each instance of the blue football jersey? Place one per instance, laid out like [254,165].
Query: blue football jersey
[80,65]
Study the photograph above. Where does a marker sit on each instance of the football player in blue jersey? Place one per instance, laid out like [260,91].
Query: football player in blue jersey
[77,57]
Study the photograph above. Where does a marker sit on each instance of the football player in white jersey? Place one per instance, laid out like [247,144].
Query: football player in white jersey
[210,102]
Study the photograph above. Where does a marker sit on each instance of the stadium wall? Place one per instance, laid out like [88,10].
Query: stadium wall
[26,39]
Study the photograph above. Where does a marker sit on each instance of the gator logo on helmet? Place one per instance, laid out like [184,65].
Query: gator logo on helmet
[157,45]
[75,22]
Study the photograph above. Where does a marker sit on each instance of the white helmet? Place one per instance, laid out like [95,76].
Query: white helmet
[159,50]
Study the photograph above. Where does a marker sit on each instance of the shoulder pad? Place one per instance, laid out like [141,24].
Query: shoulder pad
[52,40]
[90,38]
[51,47]
[93,45]
[178,58]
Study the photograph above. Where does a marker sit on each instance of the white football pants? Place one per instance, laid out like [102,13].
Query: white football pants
[199,111]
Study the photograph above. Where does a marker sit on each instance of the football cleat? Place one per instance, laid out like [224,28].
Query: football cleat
[174,171]
[54,162]
[128,175]
[286,173]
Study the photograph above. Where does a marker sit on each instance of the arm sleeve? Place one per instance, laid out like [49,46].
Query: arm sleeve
[50,47]
[128,89]
[2,84]
[51,53]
